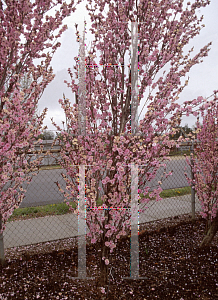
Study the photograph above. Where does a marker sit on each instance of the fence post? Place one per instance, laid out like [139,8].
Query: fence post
[192,189]
[82,88]
[134,236]
[2,254]
[134,78]
[82,225]
[134,250]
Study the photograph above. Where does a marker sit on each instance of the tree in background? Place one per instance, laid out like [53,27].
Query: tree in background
[109,147]
[182,131]
[205,168]
[27,32]
[47,135]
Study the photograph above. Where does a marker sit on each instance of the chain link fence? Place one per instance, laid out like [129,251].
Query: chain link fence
[43,216]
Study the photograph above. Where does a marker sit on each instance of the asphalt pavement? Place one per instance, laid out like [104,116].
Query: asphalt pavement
[43,190]
[51,228]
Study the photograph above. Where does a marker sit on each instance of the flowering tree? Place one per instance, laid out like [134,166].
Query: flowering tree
[98,125]
[26,33]
[205,168]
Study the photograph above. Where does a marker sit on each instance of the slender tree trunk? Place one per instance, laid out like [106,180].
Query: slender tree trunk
[103,278]
[211,231]
[2,254]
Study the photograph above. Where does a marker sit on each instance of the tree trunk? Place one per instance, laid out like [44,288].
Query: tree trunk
[102,281]
[211,231]
[2,254]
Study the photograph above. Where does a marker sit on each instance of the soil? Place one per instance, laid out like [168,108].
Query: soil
[169,258]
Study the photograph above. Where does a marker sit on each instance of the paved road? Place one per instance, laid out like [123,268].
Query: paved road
[43,190]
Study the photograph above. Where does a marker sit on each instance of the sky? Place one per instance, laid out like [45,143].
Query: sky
[203,77]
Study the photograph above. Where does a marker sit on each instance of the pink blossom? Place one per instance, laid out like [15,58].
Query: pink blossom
[105,94]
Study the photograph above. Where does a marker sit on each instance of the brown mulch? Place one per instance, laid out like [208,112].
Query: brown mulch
[174,267]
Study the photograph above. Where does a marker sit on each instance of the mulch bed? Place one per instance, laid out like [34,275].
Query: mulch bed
[169,256]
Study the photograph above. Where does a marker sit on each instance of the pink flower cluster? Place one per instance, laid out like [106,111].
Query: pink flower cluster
[21,85]
[205,165]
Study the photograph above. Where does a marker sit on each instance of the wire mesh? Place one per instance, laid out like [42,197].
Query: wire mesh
[43,215]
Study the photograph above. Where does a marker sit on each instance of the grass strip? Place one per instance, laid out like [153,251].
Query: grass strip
[62,208]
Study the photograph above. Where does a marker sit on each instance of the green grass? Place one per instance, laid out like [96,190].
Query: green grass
[62,208]
[176,192]
[40,211]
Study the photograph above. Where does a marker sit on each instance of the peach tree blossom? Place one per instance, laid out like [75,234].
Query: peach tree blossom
[27,33]
[108,145]
[205,168]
